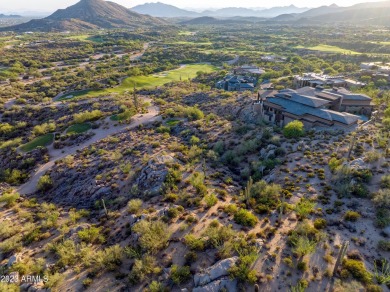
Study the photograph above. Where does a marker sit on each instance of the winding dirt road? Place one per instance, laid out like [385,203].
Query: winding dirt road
[57,154]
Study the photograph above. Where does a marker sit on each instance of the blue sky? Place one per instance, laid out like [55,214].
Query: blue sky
[51,5]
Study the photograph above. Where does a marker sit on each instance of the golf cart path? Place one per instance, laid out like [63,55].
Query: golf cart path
[56,154]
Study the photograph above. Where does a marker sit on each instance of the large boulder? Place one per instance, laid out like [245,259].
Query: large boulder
[152,176]
[224,284]
[219,270]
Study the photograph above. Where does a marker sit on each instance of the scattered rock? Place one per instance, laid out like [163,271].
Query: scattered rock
[224,284]
[218,270]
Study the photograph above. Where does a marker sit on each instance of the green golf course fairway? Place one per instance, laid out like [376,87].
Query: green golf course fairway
[150,81]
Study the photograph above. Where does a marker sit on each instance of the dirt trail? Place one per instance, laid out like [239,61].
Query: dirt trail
[57,154]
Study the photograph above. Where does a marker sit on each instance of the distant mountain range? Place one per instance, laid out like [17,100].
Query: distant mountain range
[90,14]
[100,14]
[9,16]
[164,10]
[376,13]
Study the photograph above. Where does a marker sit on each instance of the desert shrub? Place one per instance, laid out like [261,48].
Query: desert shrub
[172,179]
[382,271]
[302,266]
[230,209]
[384,245]
[8,229]
[191,257]
[108,259]
[303,245]
[360,190]
[320,223]
[91,235]
[218,235]
[193,242]
[180,275]
[44,129]
[372,156]
[153,235]
[352,216]
[245,218]
[266,194]
[194,140]
[197,181]
[357,270]
[385,181]
[9,198]
[134,206]
[382,198]
[54,280]
[172,213]
[334,163]
[304,208]
[143,267]
[156,287]
[11,244]
[382,219]
[242,269]
[211,200]
[294,129]
[66,252]
[8,287]
[44,183]
[85,116]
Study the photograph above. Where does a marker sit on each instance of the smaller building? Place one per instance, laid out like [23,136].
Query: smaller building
[237,83]
[249,70]
[314,80]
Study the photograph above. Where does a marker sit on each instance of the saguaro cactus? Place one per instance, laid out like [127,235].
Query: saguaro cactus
[340,257]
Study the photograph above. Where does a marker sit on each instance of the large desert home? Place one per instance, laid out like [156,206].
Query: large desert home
[315,79]
[315,107]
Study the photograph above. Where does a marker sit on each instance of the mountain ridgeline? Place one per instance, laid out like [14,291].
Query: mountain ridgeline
[363,13]
[90,14]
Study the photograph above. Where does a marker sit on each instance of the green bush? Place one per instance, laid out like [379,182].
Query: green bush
[143,267]
[385,181]
[85,116]
[134,206]
[357,270]
[180,275]
[304,208]
[44,183]
[266,194]
[384,245]
[211,200]
[242,270]
[91,235]
[294,129]
[193,242]
[352,216]
[320,223]
[9,198]
[245,218]
[153,235]
[382,198]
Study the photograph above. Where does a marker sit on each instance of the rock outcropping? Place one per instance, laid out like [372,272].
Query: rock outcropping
[215,278]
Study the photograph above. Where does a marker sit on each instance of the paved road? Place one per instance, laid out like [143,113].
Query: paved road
[57,154]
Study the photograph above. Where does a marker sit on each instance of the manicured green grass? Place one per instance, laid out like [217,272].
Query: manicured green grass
[330,49]
[77,94]
[38,141]
[78,128]
[86,38]
[189,71]
[150,81]
[193,43]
